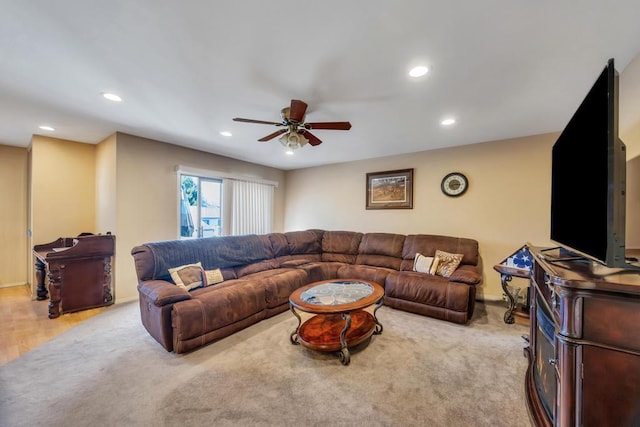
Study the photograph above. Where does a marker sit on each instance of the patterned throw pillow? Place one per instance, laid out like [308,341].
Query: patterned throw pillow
[425,264]
[447,263]
[188,276]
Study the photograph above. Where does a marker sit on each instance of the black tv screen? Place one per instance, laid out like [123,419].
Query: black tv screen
[588,177]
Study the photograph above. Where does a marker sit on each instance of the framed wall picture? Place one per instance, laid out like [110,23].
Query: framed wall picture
[390,189]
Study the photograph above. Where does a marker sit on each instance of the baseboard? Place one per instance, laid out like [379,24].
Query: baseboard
[123,300]
[489,298]
[13,284]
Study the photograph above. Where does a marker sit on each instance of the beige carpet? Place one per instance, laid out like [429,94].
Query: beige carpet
[420,372]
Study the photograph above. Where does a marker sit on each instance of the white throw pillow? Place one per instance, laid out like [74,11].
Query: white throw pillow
[425,264]
[213,276]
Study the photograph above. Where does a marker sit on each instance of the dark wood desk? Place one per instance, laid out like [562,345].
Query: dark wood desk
[77,271]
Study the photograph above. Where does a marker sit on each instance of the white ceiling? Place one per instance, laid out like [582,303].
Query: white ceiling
[502,68]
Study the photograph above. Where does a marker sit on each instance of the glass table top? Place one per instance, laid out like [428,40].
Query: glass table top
[337,292]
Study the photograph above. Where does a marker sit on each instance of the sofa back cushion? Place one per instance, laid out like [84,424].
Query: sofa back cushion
[340,246]
[153,260]
[304,245]
[427,245]
[279,244]
[381,250]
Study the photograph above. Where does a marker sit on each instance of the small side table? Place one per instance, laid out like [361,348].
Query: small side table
[517,264]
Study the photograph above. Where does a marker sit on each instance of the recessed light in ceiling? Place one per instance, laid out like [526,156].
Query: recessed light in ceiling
[225,133]
[111,97]
[418,71]
[45,127]
[448,122]
[289,152]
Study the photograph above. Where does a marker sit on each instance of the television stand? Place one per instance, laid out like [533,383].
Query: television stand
[584,344]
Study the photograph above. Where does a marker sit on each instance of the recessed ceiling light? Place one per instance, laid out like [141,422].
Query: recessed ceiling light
[418,71]
[289,152]
[448,122]
[111,96]
[225,133]
[45,127]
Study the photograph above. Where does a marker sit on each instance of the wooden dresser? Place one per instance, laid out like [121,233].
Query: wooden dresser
[584,343]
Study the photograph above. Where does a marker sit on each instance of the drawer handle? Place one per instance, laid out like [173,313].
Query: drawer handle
[148,306]
[553,362]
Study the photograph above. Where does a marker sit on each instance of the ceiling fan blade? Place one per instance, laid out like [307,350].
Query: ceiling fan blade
[273,135]
[329,125]
[238,119]
[313,140]
[297,110]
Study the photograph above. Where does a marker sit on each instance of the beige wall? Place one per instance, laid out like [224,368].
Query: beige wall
[62,191]
[106,171]
[629,105]
[632,235]
[506,206]
[147,197]
[13,216]
[62,188]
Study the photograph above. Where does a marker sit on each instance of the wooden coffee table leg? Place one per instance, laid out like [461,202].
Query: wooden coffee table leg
[294,335]
[344,355]
[379,327]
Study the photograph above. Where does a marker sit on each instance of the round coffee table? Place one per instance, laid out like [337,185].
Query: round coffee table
[340,320]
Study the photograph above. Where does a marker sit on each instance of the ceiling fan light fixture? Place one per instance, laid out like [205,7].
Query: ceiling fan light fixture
[293,140]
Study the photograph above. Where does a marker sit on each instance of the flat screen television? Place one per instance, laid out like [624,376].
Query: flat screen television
[588,178]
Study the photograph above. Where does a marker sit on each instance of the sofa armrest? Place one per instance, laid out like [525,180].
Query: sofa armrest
[468,274]
[162,292]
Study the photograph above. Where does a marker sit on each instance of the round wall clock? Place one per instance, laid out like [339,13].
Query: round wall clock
[454,184]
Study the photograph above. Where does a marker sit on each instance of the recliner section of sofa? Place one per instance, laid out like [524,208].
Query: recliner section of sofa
[261,271]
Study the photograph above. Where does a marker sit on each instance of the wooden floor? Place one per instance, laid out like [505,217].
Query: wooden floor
[26,324]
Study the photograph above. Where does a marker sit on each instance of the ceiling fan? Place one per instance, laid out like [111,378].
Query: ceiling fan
[295,132]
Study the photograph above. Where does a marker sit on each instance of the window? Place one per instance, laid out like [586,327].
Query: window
[222,206]
[200,207]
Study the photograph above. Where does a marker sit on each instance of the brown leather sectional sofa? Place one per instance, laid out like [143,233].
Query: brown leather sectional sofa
[261,271]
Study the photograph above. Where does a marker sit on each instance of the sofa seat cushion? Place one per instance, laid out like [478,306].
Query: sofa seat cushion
[297,259]
[277,288]
[364,272]
[246,270]
[318,271]
[254,277]
[216,309]
[428,290]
